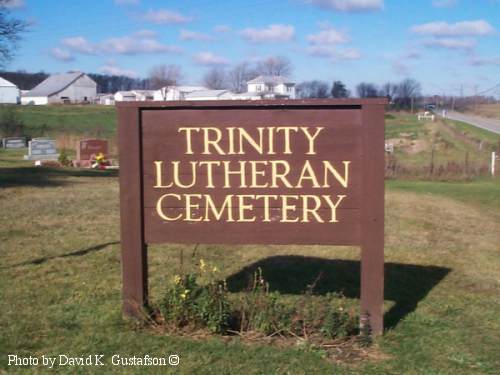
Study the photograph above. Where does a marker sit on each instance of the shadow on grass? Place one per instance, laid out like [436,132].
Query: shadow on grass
[46,177]
[77,253]
[405,284]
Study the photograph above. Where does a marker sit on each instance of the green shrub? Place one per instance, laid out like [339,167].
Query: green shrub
[10,123]
[63,158]
[186,302]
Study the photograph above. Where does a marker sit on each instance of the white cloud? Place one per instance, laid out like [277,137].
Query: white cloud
[130,45]
[272,33]
[329,35]
[444,3]
[325,44]
[400,67]
[209,59]
[79,44]
[464,28]
[145,34]
[127,2]
[194,35]
[334,53]
[112,69]
[349,5]
[481,61]
[61,54]
[14,4]
[451,43]
[222,29]
[141,42]
[165,17]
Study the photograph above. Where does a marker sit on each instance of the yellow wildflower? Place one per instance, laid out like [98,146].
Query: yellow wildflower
[202,265]
[184,295]
[215,269]
[177,279]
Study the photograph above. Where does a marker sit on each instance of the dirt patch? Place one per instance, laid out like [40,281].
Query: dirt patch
[408,145]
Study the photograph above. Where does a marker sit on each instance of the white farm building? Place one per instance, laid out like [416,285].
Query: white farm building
[71,87]
[272,87]
[9,93]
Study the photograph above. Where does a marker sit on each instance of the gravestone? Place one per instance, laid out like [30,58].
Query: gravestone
[14,142]
[42,149]
[89,148]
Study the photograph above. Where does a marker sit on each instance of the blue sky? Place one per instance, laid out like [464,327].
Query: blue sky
[444,44]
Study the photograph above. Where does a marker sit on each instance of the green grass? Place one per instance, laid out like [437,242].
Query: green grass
[60,286]
[475,133]
[52,120]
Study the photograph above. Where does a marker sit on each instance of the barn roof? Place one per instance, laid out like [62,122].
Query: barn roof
[206,93]
[5,83]
[54,84]
[270,79]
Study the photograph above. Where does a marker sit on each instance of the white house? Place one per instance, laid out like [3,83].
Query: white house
[125,96]
[134,96]
[105,99]
[71,87]
[209,95]
[175,92]
[272,87]
[9,93]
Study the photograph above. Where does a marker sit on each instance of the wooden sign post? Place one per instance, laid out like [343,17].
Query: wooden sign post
[253,172]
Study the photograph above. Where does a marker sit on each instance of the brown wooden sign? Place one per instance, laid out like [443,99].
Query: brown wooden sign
[261,172]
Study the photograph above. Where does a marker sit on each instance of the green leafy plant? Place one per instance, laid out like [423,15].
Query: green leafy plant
[187,302]
[63,158]
[260,310]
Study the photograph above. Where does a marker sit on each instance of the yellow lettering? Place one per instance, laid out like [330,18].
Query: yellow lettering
[190,206]
[333,206]
[210,205]
[275,175]
[159,208]
[188,131]
[308,174]
[214,142]
[312,211]
[158,165]
[328,167]
[311,138]
[288,207]
[286,130]
[244,207]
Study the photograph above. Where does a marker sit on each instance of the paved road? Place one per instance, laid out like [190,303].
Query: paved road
[480,122]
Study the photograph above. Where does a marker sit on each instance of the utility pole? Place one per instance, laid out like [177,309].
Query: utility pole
[412,105]
[475,98]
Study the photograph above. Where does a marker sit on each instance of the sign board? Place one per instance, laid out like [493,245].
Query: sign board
[88,147]
[260,172]
[14,142]
[41,149]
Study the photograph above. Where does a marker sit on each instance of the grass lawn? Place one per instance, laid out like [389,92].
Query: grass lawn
[60,280]
[55,120]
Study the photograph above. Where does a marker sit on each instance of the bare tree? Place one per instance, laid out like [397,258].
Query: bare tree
[10,30]
[239,76]
[275,66]
[312,89]
[366,90]
[389,90]
[407,91]
[216,79]
[164,76]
